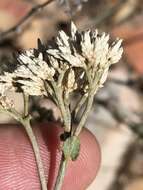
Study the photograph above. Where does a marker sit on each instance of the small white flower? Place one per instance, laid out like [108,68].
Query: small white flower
[6,103]
[113,56]
[71,83]
[54,62]
[36,66]
[32,73]
[104,76]
[88,50]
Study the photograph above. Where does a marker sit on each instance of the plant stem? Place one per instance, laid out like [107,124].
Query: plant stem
[64,112]
[30,133]
[85,114]
[61,173]
[26,105]
[93,87]
[79,104]
[26,124]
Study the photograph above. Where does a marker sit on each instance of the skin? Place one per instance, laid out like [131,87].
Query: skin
[18,169]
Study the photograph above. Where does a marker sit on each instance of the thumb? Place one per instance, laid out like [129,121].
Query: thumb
[18,170]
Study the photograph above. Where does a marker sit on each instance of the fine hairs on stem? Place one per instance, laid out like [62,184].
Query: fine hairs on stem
[73,65]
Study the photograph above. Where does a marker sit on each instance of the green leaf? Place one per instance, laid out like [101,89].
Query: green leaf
[71,148]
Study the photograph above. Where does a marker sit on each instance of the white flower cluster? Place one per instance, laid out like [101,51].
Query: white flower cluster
[86,48]
[29,75]
[88,51]
[32,73]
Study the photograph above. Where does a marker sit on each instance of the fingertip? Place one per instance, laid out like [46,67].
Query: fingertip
[16,148]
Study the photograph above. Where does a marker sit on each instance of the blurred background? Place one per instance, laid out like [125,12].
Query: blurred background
[116,118]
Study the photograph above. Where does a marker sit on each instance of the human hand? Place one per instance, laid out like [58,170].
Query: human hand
[18,170]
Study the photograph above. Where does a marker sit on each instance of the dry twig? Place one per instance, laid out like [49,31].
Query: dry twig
[16,28]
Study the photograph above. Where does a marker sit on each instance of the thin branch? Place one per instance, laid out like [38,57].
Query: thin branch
[61,173]
[79,105]
[26,104]
[12,113]
[64,108]
[36,149]
[28,16]
[27,126]
[85,114]
[93,87]
[65,115]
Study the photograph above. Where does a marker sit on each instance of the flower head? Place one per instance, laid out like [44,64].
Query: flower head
[32,72]
[87,47]
[32,65]
[83,58]
[88,50]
